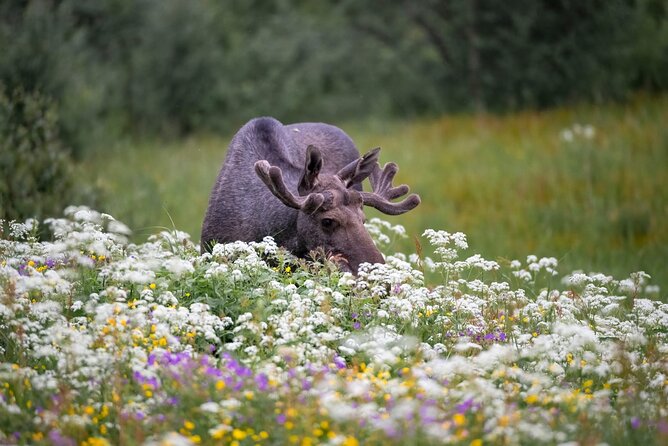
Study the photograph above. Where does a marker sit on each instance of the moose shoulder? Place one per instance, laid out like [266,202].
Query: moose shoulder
[302,185]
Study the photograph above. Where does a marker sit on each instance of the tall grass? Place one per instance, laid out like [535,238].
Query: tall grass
[515,184]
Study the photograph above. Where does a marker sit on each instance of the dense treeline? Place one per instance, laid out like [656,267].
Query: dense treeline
[172,67]
[181,66]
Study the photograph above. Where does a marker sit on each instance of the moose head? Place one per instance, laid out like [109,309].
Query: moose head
[330,206]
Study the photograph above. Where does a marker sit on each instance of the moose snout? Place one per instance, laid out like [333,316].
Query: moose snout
[369,255]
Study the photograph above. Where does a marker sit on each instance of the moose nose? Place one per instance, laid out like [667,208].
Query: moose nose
[372,255]
[375,256]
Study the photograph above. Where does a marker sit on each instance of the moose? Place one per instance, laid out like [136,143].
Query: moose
[306,192]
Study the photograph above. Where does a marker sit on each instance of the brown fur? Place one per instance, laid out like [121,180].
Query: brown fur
[306,192]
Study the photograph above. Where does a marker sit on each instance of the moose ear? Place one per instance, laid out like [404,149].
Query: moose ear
[312,168]
[358,170]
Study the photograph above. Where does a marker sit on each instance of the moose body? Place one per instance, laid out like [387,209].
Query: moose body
[302,185]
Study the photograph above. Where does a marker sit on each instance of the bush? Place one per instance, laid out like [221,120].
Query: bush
[35,167]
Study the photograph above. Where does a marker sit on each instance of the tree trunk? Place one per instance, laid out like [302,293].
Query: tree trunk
[473,55]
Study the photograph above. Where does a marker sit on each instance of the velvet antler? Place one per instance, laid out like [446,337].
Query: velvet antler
[383,192]
[358,170]
[272,176]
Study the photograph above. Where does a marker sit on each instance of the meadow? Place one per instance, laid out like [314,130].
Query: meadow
[103,342]
[586,184]
[542,326]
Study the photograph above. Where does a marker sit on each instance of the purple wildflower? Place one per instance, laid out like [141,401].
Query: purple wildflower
[212,371]
[262,381]
[465,406]
[57,439]
[663,426]
[339,362]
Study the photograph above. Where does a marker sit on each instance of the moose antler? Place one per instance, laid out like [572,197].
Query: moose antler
[358,170]
[383,192]
[272,176]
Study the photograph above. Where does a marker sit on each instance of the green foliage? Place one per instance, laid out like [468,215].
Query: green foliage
[35,167]
[175,67]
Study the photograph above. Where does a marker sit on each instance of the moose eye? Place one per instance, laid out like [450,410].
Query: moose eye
[328,224]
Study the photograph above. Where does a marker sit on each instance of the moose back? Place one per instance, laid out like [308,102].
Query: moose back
[302,185]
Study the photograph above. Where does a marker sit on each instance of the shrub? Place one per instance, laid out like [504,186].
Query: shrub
[35,167]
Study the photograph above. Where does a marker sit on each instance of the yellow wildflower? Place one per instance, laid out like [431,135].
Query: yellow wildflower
[218,434]
[350,441]
[238,434]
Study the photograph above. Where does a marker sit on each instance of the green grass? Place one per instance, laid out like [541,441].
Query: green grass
[511,183]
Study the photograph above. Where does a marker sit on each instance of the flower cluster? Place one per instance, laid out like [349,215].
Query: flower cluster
[109,342]
[578,131]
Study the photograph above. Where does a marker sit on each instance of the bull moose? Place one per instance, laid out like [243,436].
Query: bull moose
[306,192]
